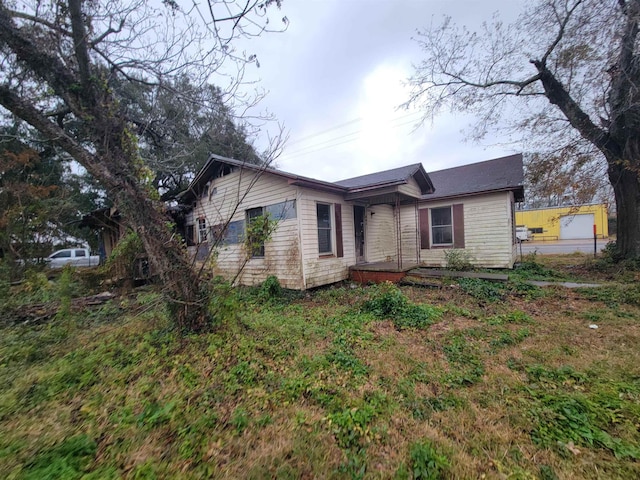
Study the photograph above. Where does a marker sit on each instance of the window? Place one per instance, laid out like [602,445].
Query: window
[62,254]
[80,253]
[441,226]
[234,233]
[537,230]
[202,230]
[254,222]
[324,228]
[282,211]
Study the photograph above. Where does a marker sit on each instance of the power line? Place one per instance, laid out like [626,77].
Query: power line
[327,144]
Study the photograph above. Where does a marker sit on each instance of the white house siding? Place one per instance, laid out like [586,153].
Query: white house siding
[282,252]
[380,234]
[409,229]
[411,188]
[327,269]
[487,229]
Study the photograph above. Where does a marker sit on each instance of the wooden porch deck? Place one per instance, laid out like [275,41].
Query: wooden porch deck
[383,267]
[377,272]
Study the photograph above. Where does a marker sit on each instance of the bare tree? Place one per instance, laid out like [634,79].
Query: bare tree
[57,60]
[565,74]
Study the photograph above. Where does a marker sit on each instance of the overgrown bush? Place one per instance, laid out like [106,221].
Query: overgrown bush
[223,301]
[387,301]
[122,260]
[270,289]
[458,260]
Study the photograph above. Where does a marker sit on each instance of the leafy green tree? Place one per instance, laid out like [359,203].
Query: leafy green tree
[566,72]
[179,125]
[59,60]
[40,198]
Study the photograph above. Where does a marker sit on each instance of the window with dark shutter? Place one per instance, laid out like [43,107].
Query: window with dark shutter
[338,214]
[441,226]
[424,228]
[458,225]
[323,212]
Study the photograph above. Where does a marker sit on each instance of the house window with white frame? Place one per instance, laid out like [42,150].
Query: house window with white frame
[441,226]
[323,211]
[202,230]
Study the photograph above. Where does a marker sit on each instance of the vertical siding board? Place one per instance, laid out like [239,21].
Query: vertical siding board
[338,217]
[381,232]
[424,228]
[328,269]
[458,225]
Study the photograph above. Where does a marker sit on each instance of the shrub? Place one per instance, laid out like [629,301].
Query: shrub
[270,289]
[223,301]
[458,260]
[387,301]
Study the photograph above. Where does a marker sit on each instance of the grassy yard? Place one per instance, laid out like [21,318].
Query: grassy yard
[469,380]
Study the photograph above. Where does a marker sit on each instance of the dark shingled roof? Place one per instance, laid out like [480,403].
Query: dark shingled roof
[499,174]
[390,177]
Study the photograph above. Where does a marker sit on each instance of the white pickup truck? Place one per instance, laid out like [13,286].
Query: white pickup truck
[522,233]
[78,257]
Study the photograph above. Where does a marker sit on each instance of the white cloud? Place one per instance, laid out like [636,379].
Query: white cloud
[335,78]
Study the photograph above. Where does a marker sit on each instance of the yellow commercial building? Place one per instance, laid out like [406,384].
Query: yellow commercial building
[565,223]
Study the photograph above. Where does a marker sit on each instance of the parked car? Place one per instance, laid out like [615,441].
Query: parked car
[522,233]
[78,257]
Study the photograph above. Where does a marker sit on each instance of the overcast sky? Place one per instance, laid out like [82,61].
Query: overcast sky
[335,80]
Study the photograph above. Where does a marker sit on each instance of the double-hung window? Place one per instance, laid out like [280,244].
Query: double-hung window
[323,211]
[441,226]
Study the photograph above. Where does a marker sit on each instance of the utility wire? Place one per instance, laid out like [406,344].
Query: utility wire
[327,144]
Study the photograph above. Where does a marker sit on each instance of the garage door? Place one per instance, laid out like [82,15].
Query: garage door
[576,226]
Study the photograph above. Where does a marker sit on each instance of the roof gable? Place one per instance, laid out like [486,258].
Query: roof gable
[395,176]
[499,174]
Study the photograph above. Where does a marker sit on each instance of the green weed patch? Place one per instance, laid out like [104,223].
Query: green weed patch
[466,366]
[387,301]
[612,296]
[482,290]
[68,460]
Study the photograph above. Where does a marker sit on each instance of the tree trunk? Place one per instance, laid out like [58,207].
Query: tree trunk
[184,290]
[112,155]
[626,188]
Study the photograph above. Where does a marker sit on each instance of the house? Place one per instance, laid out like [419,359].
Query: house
[391,221]
[565,223]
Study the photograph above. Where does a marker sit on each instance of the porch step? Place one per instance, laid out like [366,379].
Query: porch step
[434,273]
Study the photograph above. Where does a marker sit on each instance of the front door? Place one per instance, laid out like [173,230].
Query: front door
[358,220]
